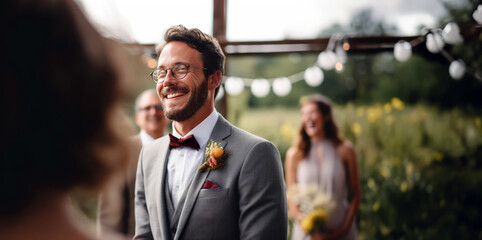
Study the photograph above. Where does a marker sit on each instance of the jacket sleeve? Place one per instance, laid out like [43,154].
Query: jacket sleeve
[111,206]
[143,227]
[262,194]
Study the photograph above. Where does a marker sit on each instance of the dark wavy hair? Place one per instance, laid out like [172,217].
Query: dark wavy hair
[330,129]
[60,86]
[212,53]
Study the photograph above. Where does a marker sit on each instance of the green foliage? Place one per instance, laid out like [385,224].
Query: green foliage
[421,169]
[368,79]
[277,125]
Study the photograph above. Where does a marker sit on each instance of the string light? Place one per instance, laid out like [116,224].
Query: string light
[346,46]
[334,56]
[477,15]
[434,41]
[260,87]
[402,51]
[152,63]
[451,33]
[457,69]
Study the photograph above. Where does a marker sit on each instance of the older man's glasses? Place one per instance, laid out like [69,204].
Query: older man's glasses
[178,71]
[157,107]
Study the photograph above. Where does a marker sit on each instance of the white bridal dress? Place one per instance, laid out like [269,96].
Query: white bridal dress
[323,167]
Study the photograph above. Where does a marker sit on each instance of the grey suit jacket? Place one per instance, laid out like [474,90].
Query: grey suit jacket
[249,204]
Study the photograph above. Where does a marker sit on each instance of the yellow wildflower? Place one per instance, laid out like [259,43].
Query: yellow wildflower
[385,172]
[384,230]
[403,186]
[314,218]
[438,156]
[397,103]
[356,129]
[287,131]
[376,206]
[409,169]
[373,114]
[387,107]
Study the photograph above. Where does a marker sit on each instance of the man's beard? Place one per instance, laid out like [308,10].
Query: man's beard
[195,102]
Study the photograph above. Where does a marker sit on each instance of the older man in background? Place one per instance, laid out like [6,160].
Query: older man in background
[116,202]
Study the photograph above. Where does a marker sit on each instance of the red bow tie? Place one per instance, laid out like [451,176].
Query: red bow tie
[188,141]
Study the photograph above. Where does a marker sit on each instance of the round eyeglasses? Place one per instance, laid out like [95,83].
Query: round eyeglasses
[157,107]
[178,71]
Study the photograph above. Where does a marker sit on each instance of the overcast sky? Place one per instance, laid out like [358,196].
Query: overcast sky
[144,21]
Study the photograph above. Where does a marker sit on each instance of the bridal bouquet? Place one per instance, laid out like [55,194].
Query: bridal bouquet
[315,206]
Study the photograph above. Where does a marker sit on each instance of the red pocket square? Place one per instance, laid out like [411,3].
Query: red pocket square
[210,185]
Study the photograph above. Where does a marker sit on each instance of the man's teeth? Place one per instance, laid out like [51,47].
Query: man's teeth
[173,95]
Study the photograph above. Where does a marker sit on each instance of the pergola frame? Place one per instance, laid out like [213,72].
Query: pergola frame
[366,45]
[357,44]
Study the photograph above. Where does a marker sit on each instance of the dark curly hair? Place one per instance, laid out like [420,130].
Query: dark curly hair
[212,53]
[60,86]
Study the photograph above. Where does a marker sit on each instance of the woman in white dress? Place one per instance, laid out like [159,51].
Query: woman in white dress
[322,157]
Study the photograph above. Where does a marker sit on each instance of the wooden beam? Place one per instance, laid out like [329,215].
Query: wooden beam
[357,45]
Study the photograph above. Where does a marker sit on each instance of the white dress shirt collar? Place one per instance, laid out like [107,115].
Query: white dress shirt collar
[145,138]
[202,131]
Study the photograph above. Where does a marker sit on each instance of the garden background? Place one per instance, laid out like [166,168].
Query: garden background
[417,132]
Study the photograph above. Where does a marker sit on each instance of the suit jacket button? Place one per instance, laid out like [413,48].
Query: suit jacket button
[173,230]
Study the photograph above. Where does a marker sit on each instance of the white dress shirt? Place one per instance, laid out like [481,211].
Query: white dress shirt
[145,138]
[184,161]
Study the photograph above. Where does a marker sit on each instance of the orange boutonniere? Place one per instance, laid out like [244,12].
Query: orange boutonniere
[214,157]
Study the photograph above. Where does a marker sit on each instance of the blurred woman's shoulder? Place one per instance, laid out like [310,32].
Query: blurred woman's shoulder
[346,151]
[294,154]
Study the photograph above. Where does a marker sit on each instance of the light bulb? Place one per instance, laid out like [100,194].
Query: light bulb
[451,33]
[282,86]
[314,76]
[457,69]
[434,42]
[477,15]
[327,59]
[260,87]
[402,50]
[234,86]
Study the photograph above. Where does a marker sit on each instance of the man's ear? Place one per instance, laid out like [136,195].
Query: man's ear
[214,80]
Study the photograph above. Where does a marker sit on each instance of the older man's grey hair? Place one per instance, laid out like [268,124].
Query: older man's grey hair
[146,93]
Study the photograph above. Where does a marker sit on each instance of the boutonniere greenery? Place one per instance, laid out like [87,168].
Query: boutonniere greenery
[214,157]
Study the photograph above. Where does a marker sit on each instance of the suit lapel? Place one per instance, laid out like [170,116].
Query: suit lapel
[220,133]
[160,187]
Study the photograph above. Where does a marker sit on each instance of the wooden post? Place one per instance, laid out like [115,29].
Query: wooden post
[219,32]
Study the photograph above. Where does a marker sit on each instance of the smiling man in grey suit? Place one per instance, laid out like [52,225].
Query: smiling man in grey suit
[242,194]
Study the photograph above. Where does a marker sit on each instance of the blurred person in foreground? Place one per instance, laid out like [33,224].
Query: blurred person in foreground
[322,157]
[62,125]
[209,179]
[115,216]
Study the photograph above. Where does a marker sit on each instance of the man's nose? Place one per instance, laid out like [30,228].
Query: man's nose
[169,79]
